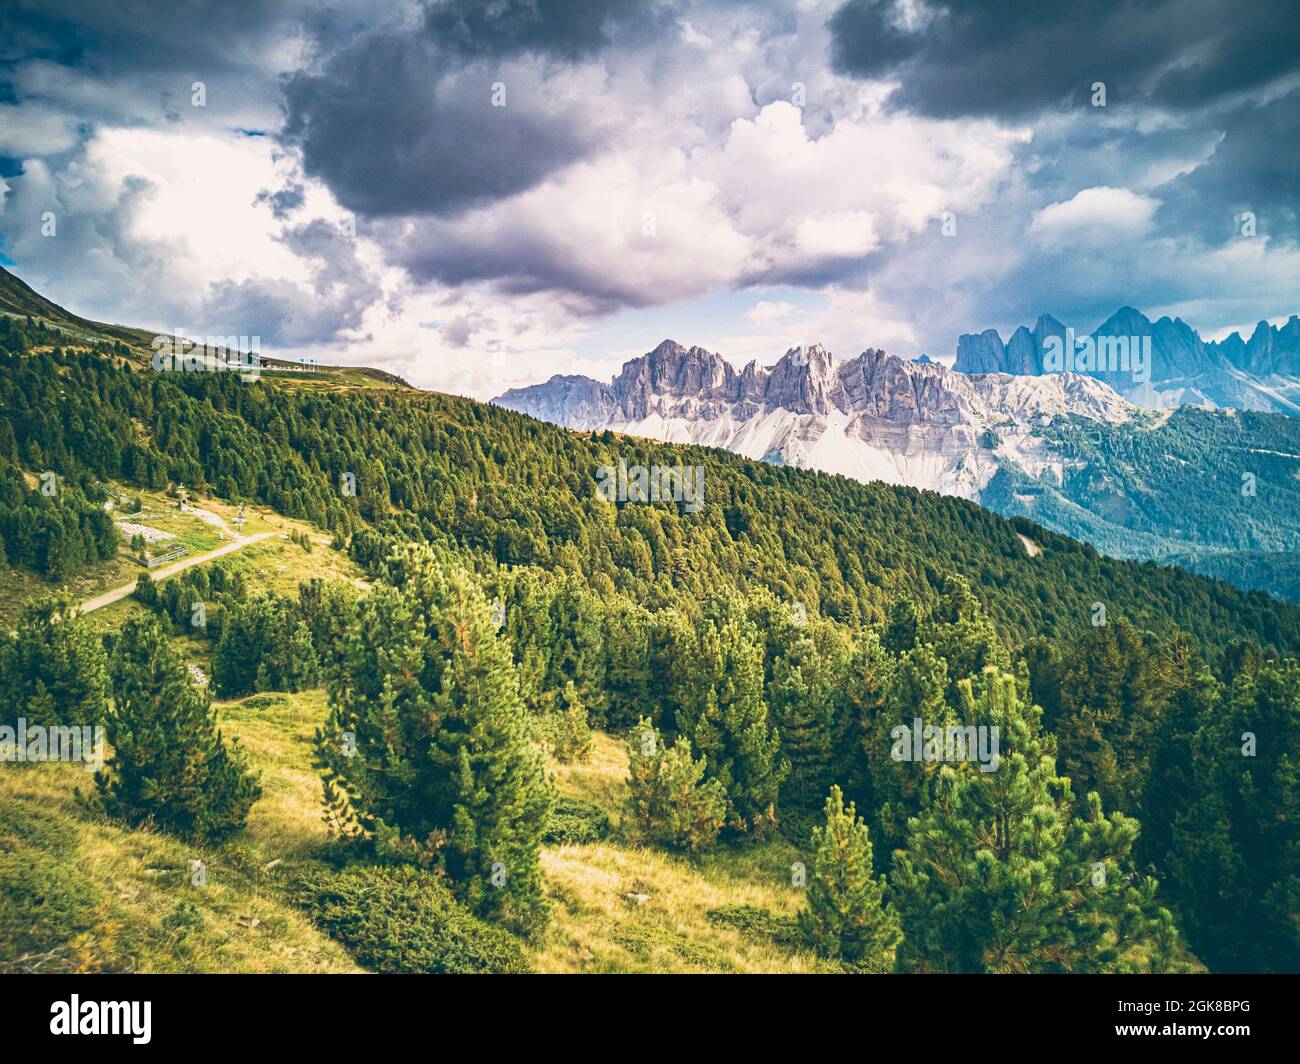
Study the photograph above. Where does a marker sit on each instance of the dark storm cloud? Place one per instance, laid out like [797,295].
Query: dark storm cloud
[402,121]
[1012,58]
[1255,168]
[134,62]
[393,127]
[120,36]
[517,262]
[561,28]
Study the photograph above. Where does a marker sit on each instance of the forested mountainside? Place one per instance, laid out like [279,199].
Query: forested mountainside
[1216,492]
[519,492]
[739,658]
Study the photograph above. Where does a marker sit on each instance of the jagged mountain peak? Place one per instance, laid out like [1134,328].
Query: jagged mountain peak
[874,417]
[1048,325]
[1176,366]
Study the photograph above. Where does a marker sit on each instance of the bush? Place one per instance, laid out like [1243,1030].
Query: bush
[395,920]
[758,923]
[427,737]
[52,669]
[847,916]
[170,768]
[264,646]
[574,822]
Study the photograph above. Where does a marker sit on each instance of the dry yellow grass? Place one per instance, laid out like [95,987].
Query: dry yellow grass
[146,915]
[625,908]
[601,779]
[277,732]
[630,909]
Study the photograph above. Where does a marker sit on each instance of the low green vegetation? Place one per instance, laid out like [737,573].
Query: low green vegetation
[406,920]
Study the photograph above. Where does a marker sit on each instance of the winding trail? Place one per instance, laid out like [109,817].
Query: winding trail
[119,593]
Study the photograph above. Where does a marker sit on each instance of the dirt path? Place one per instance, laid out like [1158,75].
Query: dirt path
[210,518]
[119,593]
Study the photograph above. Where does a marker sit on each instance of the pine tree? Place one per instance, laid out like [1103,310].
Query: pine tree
[960,633]
[801,698]
[1003,872]
[900,785]
[573,741]
[1233,856]
[670,801]
[627,660]
[1114,687]
[724,716]
[170,766]
[902,626]
[670,640]
[576,652]
[847,915]
[264,646]
[238,654]
[52,669]
[428,738]
[326,608]
[861,686]
[525,616]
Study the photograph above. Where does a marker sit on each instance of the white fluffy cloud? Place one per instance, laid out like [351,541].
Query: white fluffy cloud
[765,311]
[1095,217]
[162,228]
[808,202]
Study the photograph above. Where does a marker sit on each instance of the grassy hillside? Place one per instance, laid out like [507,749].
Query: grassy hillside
[274,564]
[78,892]
[625,908]
[20,299]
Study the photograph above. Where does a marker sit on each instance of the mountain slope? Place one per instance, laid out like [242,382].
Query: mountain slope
[516,491]
[519,501]
[513,490]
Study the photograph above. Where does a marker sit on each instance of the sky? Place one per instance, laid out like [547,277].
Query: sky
[477,195]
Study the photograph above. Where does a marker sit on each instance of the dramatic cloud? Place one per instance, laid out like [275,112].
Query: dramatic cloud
[556,27]
[393,128]
[1012,59]
[337,176]
[1253,169]
[768,311]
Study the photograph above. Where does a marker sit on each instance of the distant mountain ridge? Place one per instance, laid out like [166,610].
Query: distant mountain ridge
[875,417]
[1261,373]
[1056,447]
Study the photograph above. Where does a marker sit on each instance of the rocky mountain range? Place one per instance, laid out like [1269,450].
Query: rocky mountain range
[1059,447]
[1259,373]
[875,417]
